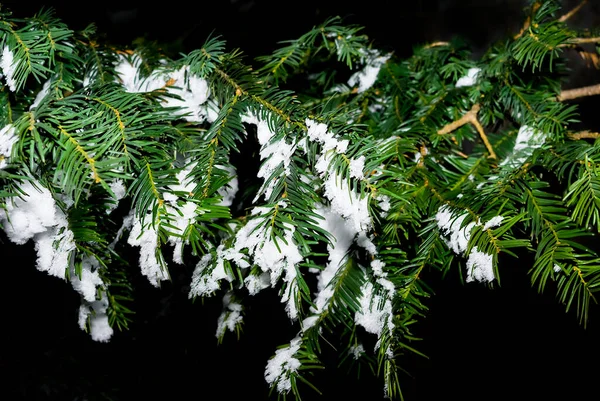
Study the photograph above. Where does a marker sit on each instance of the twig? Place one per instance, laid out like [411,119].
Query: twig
[585,40]
[590,58]
[470,117]
[484,137]
[436,44]
[570,94]
[575,42]
[467,118]
[583,135]
[572,12]
[423,152]
[527,23]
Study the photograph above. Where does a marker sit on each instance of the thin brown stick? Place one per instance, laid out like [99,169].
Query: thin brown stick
[423,152]
[570,94]
[585,40]
[437,44]
[583,135]
[454,125]
[575,42]
[572,12]
[590,58]
[484,138]
[527,23]
[470,117]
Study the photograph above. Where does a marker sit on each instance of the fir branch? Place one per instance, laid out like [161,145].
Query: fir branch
[126,134]
[79,149]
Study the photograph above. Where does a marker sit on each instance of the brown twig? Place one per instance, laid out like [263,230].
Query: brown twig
[570,94]
[585,40]
[467,118]
[527,23]
[583,135]
[575,42]
[423,152]
[437,44]
[470,117]
[572,12]
[589,58]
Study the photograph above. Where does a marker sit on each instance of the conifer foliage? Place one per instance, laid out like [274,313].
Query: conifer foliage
[371,170]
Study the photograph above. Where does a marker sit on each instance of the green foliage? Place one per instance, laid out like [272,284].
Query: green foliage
[432,163]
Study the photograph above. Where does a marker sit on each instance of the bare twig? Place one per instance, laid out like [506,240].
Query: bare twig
[589,58]
[437,44]
[527,23]
[583,135]
[470,117]
[422,152]
[467,118]
[585,40]
[575,42]
[572,12]
[570,94]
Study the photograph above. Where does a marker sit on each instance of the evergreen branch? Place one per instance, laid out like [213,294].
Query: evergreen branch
[153,177]
[239,91]
[119,123]
[385,141]
[224,132]
[341,304]
[207,59]
[152,184]
[32,50]
[79,149]
[98,61]
[340,40]
[575,286]
[584,195]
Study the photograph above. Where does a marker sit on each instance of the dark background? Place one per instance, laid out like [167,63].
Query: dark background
[509,342]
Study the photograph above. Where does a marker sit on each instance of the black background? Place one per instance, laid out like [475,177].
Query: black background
[509,342]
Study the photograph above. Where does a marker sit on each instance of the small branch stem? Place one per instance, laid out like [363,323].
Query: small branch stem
[585,40]
[470,117]
[437,44]
[583,135]
[590,58]
[461,121]
[572,12]
[570,94]
[527,23]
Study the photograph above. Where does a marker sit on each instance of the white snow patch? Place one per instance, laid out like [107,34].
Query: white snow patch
[147,239]
[366,77]
[480,266]
[8,65]
[8,138]
[230,317]
[282,364]
[469,79]
[100,329]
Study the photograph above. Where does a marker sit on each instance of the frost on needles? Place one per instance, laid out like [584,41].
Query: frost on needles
[366,186]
